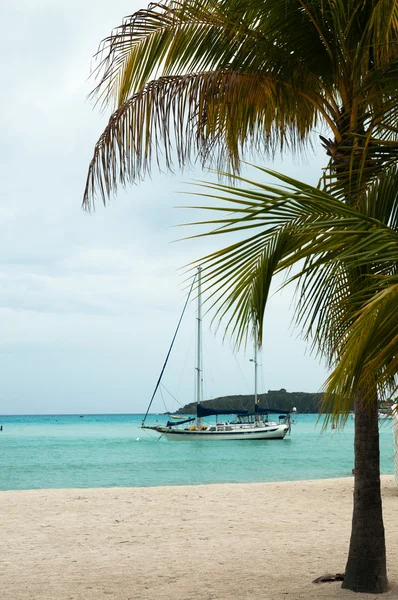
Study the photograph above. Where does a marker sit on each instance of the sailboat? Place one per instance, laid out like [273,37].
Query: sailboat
[244,424]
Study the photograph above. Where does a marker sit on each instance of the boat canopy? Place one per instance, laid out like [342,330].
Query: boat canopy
[203,411]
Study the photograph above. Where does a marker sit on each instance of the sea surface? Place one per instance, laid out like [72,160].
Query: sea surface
[73,451]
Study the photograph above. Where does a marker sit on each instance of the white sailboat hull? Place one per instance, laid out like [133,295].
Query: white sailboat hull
[272,432]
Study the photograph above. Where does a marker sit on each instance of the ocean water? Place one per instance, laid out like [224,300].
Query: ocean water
[69,451]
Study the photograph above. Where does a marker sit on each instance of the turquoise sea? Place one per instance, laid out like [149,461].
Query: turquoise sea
[73,451]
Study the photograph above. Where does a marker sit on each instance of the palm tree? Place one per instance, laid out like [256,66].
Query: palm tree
[354,326]
[215,79]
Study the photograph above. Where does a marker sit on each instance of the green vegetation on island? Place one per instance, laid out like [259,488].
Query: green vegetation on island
[276,399]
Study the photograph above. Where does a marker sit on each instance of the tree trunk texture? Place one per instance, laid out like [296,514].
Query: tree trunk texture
[366,566]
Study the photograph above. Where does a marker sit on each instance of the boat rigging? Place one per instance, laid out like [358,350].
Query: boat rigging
[254,425]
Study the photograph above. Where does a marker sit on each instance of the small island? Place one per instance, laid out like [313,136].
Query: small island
[305,402]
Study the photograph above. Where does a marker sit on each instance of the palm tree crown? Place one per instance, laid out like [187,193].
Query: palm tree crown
[215,78]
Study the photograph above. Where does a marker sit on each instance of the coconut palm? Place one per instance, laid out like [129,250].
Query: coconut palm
[215,79]
[348,282]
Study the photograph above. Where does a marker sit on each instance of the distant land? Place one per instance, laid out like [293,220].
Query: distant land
[305,402]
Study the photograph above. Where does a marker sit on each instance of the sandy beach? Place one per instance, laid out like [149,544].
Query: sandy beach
[250,541]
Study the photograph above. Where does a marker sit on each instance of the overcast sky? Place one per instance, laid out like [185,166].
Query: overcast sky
[89,303]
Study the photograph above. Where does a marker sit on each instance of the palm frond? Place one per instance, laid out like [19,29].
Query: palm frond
[216,115]
[368,355]
[152,40]
[347,282]
[173,38]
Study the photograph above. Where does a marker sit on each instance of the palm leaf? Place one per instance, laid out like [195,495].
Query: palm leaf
[217,115]
[350,260]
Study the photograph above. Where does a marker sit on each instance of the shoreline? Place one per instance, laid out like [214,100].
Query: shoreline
[346,478]
[191,542]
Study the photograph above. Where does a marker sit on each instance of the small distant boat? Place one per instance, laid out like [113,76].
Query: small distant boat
[246,425]
[384,414]
[385,410]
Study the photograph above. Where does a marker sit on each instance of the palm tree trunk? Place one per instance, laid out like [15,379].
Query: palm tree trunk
[366,566]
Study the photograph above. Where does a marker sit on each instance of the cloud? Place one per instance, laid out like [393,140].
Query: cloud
[88,303]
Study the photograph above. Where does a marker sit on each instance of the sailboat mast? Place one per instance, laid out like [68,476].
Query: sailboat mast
[199,343]
[255,364]
[255,367]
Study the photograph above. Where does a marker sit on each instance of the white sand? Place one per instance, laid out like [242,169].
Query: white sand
[255,541]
